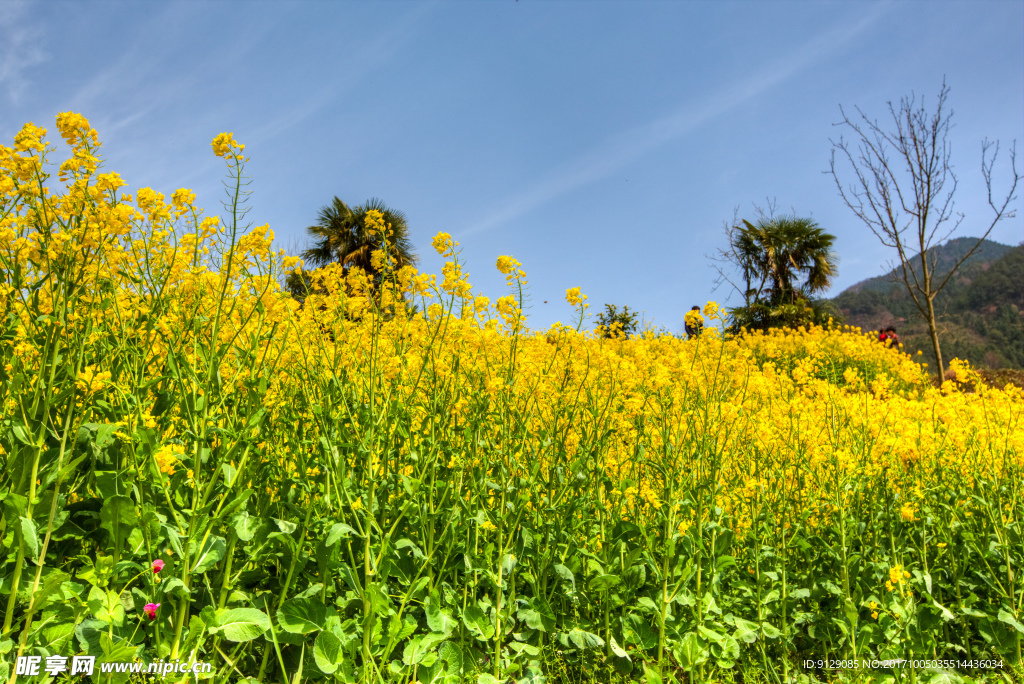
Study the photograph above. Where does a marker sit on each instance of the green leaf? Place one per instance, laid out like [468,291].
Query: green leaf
[528,649]
[646,603]
[947,615]
[746,631]
[338,531]
[118,516]
[302,615]
[88,633]
[50,589]
[409,544]
[327,652]
[451,654]
[602,583]
[508,561]
[96,602]
[476,621]
[710,634]
[651,675]
[56,635]
[213,551]
[241,624]
[246,526]
[285,526]
[730,652]
[29,539]
[566,574]
[486,678]
[379,601]
[174,585]
[419,648]
[22,434]
[618,650]
[537,614]
[691,651]
[104,433]
[438,619]
[1006,617]
[584,639]
[136,542]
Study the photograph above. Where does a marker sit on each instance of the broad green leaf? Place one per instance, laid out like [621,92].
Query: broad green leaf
[88,634]
[537,614]
[1006,617]
[946,613]
[603,583]
[285,526]
[730,652]
[241,624]
[327,652]
[379,601]
[22,434]
[302,615]
[438,619]
[213,550]
[338,531]
[585,640]
[136,542]
[691,651]
[451,654]
[417,649]
[710,634]
[408,544]
[746,631]
[651,675]
[476,621]
[246,526]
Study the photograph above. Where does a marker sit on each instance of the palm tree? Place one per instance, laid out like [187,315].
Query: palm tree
[774,255]
[777,251]
[340,235]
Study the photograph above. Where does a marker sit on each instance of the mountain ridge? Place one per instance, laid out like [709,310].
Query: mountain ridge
[980,311]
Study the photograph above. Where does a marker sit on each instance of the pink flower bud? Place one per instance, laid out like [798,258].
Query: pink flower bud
[158,565]
[150,610]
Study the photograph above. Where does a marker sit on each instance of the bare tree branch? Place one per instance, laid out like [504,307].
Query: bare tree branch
[903,187]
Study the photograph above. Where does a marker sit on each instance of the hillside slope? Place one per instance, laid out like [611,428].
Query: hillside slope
[981,310]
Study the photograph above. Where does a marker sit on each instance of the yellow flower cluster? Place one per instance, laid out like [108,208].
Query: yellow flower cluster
[794,422]
[166,457]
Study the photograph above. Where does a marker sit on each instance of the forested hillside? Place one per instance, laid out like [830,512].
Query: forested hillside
[981,309]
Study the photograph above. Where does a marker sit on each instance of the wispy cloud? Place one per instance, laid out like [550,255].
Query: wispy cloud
[618,151]
[136,84]
[366,59]
[21,47]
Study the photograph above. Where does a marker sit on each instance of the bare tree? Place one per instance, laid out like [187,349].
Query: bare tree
[903,190]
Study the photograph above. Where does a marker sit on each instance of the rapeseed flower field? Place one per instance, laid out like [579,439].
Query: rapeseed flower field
[195,466]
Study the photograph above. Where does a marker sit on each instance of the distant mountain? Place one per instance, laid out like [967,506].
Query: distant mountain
[981,310]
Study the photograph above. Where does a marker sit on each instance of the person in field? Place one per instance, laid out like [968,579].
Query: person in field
[693,322]
[889,337]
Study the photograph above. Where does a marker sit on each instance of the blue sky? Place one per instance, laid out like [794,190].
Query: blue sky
[603,144]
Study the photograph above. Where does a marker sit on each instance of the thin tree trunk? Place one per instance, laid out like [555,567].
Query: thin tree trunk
[933,331]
